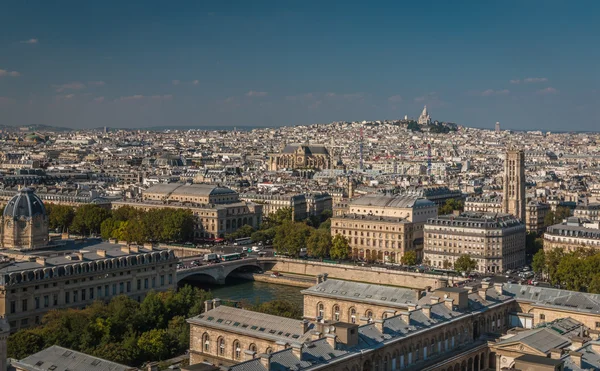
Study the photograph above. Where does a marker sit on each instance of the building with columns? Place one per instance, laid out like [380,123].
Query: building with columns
[514,199]
[301,156]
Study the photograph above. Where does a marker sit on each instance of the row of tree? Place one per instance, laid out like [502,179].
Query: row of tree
[122,330]
[125,223]
[577,270]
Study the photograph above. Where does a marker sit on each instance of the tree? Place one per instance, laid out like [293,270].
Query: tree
[533,244]
[278,218]
[556,217]
[539,262]
[409,258]
[413,126]
[23,343]
[450,206]
[340,248]
[88,219]
[291,237]
[107,227]
[319,243]
[464,263]
[155,344]
[59,216]
[282,308]
[446,264]
[244,231]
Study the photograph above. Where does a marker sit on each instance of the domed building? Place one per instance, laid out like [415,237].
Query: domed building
[24,222]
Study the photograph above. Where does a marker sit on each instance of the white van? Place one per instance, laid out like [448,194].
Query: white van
[256,248]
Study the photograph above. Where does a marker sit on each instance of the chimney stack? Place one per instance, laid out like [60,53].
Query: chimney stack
[449,303]
[319,278]
[265,360]
[498,287]
[379,324]
[281,345]
[208,305]
[331,340]
[555,353]
[405,317]
[249,354]
[41,261]
[426,310]
[101,252]
[297,350]
[434,300]
[305,325]
[216,302]
[418,294]
[576,357]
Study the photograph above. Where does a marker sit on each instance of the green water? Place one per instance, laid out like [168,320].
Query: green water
[251,291]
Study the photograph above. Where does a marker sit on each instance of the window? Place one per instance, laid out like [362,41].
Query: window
[37,303]
[55,299]
[162,279]
[206,342]
[542,317]
[121,288]
[336,312]
[352,315]
[128,286]
[145,283]
[67,297]
[237,351]
[114,289]
[13,307]
[75,296]
[91,293]
[46,301]
[83,294]
[221,347]
[320,310]
[106,293]
[139,284]
[153,282]
[369,315]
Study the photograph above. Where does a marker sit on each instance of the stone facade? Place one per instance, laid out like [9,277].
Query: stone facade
[535,214]
[514,198]
[495,241]
[386,224]
[30,288]
[301,156]
[24,222]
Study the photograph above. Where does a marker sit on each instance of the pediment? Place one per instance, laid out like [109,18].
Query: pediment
[518,347]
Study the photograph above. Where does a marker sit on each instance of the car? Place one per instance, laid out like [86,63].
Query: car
[486,279]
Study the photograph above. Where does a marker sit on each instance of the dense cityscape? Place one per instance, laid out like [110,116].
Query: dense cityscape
[286,186]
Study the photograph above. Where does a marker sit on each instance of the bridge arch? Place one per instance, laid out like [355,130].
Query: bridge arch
[218,273]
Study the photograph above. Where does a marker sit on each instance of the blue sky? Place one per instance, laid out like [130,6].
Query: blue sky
[527,64]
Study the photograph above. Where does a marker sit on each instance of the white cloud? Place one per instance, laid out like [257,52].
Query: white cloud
[96,83]
[490,92]
[515,81]
[9,73]
[175,82]
[75,85]
[195,82]
[30,41]
[531,80]
[253,93]
[395,99]
[99,99]
[69,96]
[547,91]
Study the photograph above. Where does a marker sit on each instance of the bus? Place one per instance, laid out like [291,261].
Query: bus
[242,241]
[230,257]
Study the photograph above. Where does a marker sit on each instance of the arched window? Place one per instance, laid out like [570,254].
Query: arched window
[269,350]
[221,349]
[352,315]
[336,312]
[206,342]
[320,310]
[252,347]
[369,315]
[237,351]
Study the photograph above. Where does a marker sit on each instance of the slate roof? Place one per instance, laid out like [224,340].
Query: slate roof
[392,201]
[551,297]
[542,339]
[65,359]
[24,204]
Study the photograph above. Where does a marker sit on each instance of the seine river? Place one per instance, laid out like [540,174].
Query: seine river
[251,291]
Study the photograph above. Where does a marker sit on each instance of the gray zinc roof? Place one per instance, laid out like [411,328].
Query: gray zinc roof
[65,359]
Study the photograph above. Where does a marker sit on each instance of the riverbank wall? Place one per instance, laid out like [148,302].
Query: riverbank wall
[281,280]
[375,275]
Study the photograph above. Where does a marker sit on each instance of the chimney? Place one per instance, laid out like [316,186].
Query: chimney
[325,276]
[434,300]
[297,350]
[249,354]
[576,358]
[79,256]
[470,289]
[315,335]
[555,353]
[482,291]
[411,307]
[207,305]
[126,249]
[319,278]
[449,303]
[216,302]
[305,325]
[265,360]
[426,309]
[41,261]
[418,294]
[577,341]
[134,249]
[331,340]
[101,252]
[379,324]
[281,345]
[498,288]
[153,366]
[405,317]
